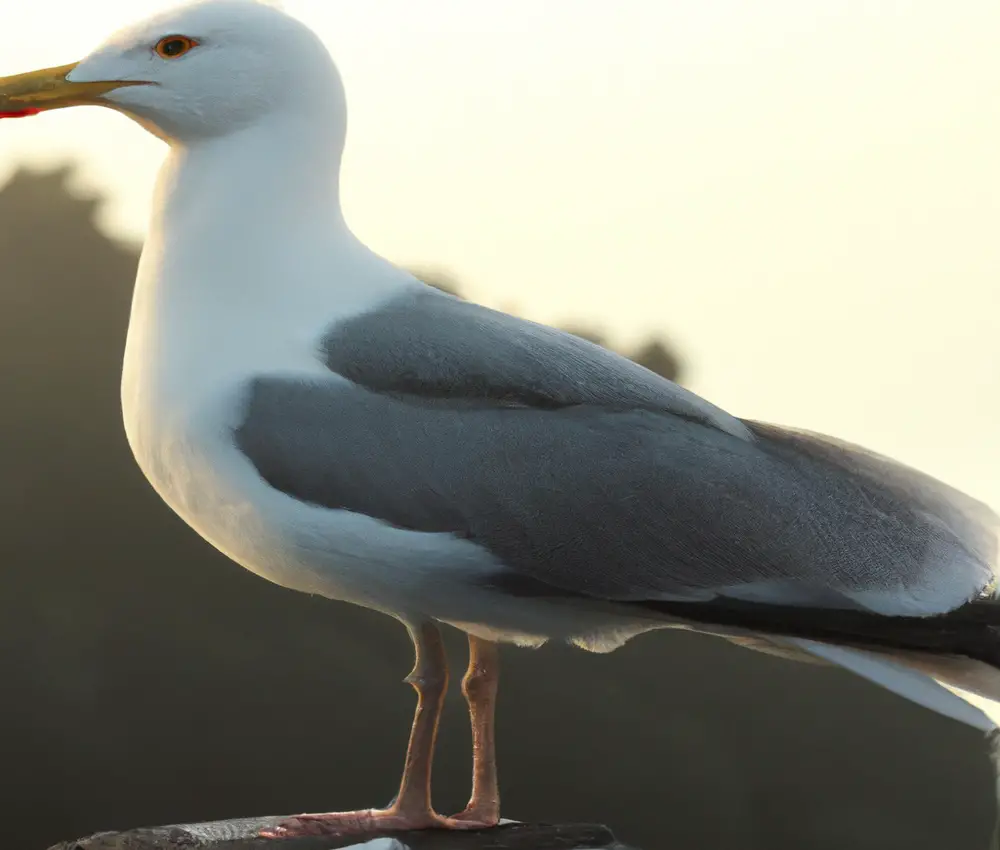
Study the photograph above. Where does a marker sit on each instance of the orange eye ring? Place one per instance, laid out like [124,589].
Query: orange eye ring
[174,46]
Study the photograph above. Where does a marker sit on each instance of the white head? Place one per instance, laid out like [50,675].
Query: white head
[201,71]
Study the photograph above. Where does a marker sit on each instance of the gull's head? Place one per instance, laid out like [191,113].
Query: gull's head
[204,70]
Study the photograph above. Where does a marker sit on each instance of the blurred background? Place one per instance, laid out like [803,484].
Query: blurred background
[790,207]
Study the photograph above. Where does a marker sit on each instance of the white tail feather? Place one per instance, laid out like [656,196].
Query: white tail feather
[960,688]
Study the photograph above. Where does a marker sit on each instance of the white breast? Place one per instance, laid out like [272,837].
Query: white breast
[220,299]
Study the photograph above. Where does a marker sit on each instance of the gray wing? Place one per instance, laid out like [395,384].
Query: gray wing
[430,344]
[598,490]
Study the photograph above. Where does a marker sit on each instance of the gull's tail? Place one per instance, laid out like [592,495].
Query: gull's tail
[949,663]
[962,688]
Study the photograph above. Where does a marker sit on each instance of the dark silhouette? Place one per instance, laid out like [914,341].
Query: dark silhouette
[146,679]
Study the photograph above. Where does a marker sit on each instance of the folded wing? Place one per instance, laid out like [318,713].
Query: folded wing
[584,474]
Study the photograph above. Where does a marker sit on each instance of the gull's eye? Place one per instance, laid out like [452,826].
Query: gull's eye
[174,46]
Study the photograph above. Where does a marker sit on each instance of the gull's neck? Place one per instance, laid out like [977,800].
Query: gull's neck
[279,176]
[247,261]
[249,221]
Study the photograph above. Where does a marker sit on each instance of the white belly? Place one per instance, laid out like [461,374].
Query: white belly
[184,445]
[186,452]
[190,459]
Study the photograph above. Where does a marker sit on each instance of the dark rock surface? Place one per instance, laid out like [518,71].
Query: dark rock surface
[241,834]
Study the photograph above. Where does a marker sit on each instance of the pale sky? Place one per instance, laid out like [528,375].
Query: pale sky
[803,194]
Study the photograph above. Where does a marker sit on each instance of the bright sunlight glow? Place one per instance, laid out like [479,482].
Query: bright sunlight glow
[804,195]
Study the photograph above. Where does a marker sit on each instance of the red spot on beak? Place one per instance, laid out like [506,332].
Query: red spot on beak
[24,113]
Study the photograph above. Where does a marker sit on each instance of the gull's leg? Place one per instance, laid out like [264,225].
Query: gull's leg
[480,689]
[412,806]
[429,677]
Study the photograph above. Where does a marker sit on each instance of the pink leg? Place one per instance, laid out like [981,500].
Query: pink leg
[412,809]
[480,689]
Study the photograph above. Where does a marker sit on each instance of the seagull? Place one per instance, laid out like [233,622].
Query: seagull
[340,428]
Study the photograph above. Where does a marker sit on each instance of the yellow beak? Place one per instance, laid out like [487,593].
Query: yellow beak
[27,94]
